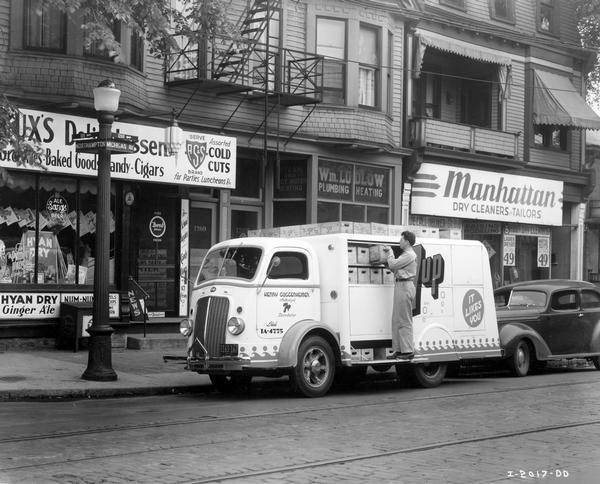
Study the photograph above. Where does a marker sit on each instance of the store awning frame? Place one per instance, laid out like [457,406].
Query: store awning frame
[557,102]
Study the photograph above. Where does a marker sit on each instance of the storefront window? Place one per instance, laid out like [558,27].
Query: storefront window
[47,231]
[354,192]
[289,200]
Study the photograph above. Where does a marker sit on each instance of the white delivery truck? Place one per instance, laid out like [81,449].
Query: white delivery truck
[313,307]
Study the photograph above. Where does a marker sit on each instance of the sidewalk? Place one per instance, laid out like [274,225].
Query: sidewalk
[53,374]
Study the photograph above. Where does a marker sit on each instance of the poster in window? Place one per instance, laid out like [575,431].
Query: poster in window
[543,252]
[509,249]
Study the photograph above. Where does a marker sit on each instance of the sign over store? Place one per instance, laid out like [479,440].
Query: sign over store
[450,191]
[207,160]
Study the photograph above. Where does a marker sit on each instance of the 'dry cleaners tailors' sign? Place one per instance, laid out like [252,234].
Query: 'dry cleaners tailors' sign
[204,159]
[464,193]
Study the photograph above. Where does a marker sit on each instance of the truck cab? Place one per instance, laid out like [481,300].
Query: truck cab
[313,307]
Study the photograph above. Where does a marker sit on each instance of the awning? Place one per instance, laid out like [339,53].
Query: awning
[557,101]
[446,44]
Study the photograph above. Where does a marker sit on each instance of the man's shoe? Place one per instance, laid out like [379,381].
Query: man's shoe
[394,356]
[406,356]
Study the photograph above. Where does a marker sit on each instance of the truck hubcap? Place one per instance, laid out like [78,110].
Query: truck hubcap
[315,367]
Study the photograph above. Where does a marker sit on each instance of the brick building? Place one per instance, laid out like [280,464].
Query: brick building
[327,110]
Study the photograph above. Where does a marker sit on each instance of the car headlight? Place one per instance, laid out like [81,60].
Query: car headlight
[185,327]
[236,325]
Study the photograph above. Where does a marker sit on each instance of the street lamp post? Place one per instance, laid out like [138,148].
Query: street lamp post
[106,103]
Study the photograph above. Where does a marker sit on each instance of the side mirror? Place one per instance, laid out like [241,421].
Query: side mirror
[275,262]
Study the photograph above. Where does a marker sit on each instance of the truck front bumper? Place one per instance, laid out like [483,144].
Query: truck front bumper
[229,365]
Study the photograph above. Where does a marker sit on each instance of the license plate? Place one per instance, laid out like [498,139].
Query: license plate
[228,349]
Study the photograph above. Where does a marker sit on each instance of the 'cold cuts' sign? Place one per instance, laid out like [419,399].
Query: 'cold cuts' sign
[464,193]
[203,159]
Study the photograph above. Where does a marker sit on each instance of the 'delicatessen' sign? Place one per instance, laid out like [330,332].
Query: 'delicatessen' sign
[450,191]
[204,159]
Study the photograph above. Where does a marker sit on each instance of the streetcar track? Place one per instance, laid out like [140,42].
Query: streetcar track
[211,418]
[387,453]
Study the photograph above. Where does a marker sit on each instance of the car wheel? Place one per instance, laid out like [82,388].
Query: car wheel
[231,383]
[520,360]
[315,368]
[596,362]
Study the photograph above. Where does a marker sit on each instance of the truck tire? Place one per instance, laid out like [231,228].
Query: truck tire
[429,375]
[519,362]
[231,383]
[315,369]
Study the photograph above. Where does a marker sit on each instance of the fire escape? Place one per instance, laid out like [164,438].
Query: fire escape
[253,64]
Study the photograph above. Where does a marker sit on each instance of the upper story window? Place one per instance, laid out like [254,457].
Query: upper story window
[331,43]
[45,27]
[548,16]
[368,71]
[136,51]
[454,3]
[96,47]
[549,136]
[503,10]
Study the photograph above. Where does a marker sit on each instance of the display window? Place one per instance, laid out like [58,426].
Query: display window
[353,192]
[289,199]
[48,229]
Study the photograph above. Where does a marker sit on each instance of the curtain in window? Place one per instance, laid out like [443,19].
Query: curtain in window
[367,86]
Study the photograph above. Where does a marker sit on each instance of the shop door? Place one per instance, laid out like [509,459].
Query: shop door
[243,219]
[203,224]
[156,248]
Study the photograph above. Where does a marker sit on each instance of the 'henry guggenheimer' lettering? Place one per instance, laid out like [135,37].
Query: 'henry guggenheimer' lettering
[458,185]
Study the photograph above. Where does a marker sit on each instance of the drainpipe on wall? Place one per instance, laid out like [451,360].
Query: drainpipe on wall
[577,238]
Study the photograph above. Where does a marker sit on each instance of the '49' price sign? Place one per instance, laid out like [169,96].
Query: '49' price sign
[543,252]
[508,254]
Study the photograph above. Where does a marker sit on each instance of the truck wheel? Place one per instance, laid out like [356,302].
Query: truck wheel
[231,383]
[429,375]
[315,369]
[519,362]
[596,362]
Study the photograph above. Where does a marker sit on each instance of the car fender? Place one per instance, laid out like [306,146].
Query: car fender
[512,333]
[288,350]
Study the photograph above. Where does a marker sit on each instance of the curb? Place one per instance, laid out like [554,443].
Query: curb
[99,393]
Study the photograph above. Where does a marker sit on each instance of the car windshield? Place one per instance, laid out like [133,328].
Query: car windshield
[227,262]
[527,298]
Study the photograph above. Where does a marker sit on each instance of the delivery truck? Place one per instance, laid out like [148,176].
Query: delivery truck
[317,308]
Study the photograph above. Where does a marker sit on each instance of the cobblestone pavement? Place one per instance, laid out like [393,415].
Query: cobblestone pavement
[469,430]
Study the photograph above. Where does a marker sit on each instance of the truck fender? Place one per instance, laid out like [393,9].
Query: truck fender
[288,350]
[511,333]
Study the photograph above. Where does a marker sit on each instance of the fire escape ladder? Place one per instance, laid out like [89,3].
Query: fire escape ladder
[234,59]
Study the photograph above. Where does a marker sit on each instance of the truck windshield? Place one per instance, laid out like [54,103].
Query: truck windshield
[239,262]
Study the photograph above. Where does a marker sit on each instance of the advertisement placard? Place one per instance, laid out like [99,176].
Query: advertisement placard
[205,160]
[449,191]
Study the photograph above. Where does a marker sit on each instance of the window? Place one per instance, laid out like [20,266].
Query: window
[247,178]
[564,300]
[502,10]
[289,198]
[45,27]
[96,47]
[331,43]
[547,16]
[368,71]
[454,3]
[590,299]
[353,192]
[527,299]
[48,231]
[549,136]
[136,51]
[240,262]
[292,265]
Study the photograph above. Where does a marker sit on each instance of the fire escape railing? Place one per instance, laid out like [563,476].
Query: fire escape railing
[246,63]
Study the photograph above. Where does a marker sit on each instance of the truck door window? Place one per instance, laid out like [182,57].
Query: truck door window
[293,265]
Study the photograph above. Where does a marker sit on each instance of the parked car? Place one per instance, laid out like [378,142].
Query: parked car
[547,320]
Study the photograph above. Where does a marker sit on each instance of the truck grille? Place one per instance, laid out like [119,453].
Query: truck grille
[210,326]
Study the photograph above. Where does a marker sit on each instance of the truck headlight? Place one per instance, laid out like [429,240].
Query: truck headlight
[185,327]
[236,325]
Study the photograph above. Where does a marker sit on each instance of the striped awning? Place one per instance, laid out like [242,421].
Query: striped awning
[556,101]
